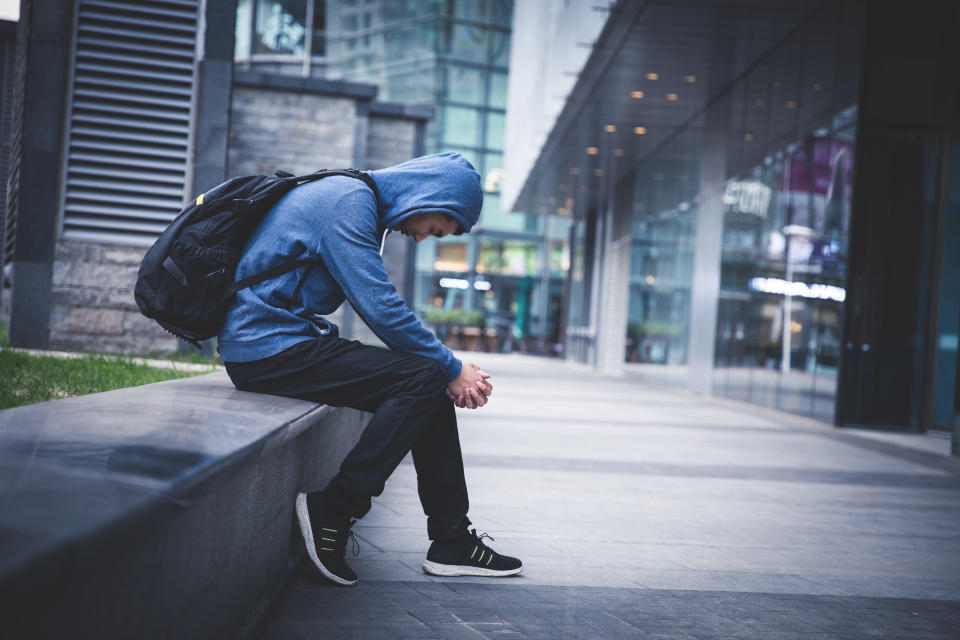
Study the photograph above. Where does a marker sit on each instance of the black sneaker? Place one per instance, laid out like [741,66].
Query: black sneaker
[325,536]
[468,556]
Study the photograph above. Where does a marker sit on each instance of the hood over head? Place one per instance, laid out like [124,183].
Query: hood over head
[442,182]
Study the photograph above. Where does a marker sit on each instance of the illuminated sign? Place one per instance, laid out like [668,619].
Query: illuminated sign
[748,196]
[799,289]
[459,283]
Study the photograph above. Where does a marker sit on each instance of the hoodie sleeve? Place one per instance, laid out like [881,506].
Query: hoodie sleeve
[350,249]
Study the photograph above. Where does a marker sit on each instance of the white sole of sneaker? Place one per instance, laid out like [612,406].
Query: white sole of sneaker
[451,570]
[303,517]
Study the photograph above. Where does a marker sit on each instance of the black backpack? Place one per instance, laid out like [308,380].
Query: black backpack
[186,280]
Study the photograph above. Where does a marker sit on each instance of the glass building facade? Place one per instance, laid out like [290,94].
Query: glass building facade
[791,216]
[788,125]
[498,288]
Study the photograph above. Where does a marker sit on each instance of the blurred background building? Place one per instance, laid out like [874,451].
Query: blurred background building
[500,287]
[754,199]
[765,198]
[149,113]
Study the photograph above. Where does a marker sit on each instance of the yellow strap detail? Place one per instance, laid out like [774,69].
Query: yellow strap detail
[200,199]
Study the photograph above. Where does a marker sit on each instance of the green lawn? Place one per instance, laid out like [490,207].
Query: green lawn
[27,379]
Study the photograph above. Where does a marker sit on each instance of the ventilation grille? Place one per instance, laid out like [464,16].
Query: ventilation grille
[12,186]
[130,119]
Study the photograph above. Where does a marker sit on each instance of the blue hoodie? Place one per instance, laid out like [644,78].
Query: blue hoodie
[337,224]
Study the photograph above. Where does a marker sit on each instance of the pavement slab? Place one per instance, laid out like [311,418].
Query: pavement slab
[649,512]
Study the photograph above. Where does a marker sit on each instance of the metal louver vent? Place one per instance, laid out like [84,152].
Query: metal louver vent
[129,133]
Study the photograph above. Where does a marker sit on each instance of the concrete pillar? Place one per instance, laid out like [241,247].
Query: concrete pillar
[46,63]
[705,287]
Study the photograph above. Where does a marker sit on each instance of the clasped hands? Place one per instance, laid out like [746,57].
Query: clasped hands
[470,389]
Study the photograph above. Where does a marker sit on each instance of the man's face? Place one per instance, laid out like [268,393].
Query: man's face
[423,225]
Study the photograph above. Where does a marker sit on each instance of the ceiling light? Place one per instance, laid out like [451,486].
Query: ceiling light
[636,94]
[574,171]
[561,187]
[598,172]
[592,151]
[639,130]
[748,137]
[569,203]
[609,128]
[673,97]
[618,152]
[690,79]
[650,279]
[653,76]
[791,104]
[760,102]
[817,86]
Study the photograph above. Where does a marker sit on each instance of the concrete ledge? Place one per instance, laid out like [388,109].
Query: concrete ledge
[404,111]
[157,511]
[320,86]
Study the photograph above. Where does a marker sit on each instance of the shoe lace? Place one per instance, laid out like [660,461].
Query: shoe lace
[355,544]
[342,536]
[479,538]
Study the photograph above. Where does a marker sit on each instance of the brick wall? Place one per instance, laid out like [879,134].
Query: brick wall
[390,141]
[299,132]
[92,301]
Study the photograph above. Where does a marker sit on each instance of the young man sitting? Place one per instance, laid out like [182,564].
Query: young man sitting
[275,340]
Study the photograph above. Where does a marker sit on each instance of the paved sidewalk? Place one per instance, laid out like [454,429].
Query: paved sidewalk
[645,512]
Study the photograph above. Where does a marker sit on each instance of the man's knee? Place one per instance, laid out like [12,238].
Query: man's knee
[435,376]
[420,377]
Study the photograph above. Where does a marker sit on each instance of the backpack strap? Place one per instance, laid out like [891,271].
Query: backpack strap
[266,274]
[350,173]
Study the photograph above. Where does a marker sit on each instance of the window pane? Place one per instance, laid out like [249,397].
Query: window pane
[461,126]
[495,124]
[464,85]
[498,91]
[241,49]
[469,42]
[400,44]
[500,48]
[280,26]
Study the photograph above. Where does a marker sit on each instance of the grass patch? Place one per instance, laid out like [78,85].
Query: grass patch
[28,379]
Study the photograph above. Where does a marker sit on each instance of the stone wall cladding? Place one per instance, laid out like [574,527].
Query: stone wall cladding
[300,132]
[390,141]
[93,307]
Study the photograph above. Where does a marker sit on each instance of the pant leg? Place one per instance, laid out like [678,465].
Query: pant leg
[440,477]
[411,411]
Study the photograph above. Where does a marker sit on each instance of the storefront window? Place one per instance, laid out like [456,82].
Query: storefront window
[509,257]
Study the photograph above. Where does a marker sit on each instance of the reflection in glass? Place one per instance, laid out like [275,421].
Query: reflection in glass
[280,26]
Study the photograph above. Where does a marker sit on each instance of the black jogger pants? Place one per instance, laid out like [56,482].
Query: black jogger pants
[410,410]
